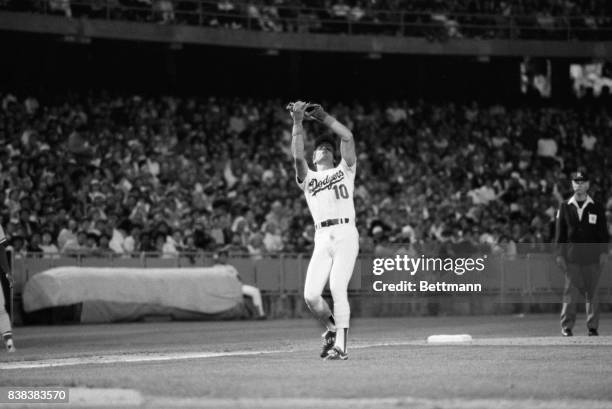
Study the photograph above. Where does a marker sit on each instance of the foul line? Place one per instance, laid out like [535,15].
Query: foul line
[180,356]
[125,358]
[160,357]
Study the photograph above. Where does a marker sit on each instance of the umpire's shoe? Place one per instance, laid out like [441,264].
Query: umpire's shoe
[329,339]
[336,354]
[593,332]
[566,332]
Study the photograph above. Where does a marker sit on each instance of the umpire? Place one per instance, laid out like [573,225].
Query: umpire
[581,243]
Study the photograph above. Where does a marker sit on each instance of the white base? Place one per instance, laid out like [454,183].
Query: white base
[449,339]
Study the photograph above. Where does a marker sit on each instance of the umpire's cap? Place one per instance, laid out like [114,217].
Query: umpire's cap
[580,175]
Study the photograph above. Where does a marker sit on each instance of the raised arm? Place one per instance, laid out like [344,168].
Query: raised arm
[347,143]
[297,141]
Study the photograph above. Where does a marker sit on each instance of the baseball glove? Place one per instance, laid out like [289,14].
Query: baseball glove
[315,112]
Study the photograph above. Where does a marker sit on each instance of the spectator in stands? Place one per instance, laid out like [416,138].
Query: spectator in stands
[49,249]
[17,245]
[102,248]
[33,246]
[202,240]
[93,238]
[77,246]
[588,141]
[278,215]
[272,240]
[160,241]
[395,113]
[25,222]
[499,182]
[118,235]
[583,19]
[228,15]
[165,9]
[256,246]
[132,243]
[548,147]
[236,246]
[67,234]
[218,230]
[270,18]
[357,12]
[61,6]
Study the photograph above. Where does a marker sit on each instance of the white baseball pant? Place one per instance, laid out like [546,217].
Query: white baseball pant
[5,320]
[333,259]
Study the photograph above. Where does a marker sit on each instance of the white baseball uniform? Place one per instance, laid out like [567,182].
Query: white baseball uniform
[5,321]
[329,194]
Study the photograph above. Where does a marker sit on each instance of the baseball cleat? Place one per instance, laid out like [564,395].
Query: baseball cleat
[566,332]
[10,346]
[593,332]
[329,339]
[336,354]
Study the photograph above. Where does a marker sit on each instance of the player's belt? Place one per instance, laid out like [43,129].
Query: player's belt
[332,222]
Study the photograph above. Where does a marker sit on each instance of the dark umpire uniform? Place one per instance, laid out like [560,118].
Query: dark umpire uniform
[581,242]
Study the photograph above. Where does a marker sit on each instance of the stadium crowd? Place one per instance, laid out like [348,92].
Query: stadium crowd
[438,19]
[122,175]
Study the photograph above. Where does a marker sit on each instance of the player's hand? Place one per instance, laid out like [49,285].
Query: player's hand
[561,263]
[297,110]
[9,278]
[316,112]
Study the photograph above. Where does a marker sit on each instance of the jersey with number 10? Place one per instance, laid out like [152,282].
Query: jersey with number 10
[329,193]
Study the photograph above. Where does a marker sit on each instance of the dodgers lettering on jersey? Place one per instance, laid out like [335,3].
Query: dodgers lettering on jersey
[329,193]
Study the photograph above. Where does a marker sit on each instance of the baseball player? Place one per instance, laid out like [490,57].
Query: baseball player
[329,194]
[5,322]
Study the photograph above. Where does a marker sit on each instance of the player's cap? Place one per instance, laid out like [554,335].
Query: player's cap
[580,176]
[325,139]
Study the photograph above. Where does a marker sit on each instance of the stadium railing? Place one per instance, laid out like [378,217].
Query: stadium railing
[434,25]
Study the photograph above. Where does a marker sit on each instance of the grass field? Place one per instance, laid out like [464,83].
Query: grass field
[514,361]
